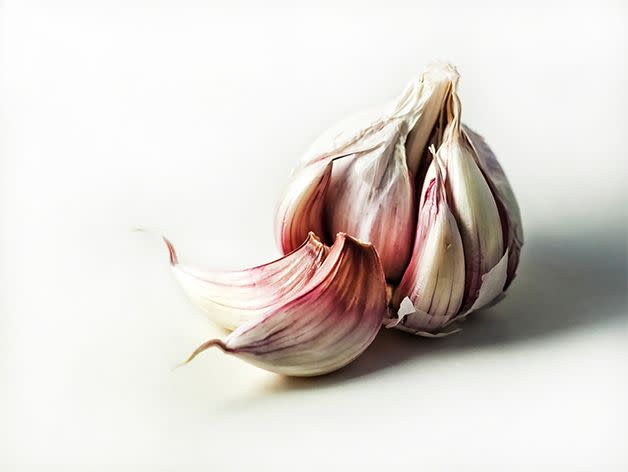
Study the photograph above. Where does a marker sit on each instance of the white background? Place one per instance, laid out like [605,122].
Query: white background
[186,118]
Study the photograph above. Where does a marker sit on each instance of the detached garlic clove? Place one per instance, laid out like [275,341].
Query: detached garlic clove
[434,281]
[472,204]
[325,325]
[231,299]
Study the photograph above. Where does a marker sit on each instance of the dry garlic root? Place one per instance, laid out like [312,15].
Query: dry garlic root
[406,195]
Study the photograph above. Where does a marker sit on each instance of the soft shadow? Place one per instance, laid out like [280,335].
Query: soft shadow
[563,284]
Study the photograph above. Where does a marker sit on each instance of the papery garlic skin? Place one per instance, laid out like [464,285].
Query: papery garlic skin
[325,325]
[231,299]
[433,91]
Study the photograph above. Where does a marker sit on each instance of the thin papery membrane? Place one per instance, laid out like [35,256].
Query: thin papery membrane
[418,107]
[492,285]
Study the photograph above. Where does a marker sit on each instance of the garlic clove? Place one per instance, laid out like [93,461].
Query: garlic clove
[371,196]
[504,196]
[233,298]
[325,325]
[301,208]
[434,282]
[472,204]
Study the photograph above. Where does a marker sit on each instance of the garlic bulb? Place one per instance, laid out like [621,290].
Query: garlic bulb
[441,229]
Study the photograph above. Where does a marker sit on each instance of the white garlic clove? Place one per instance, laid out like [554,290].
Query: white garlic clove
[504,196]
[231,299]
[434,282]
[325,325]
[301,208]
[472,204]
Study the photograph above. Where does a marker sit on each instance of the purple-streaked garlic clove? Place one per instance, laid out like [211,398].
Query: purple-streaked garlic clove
[371,196]
[233,298]
[472,204]
[434,280]
[505,198]
[324,325]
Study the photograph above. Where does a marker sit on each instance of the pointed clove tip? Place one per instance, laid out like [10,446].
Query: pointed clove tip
[203,347]
[174,260]
[344,236]
[312,238]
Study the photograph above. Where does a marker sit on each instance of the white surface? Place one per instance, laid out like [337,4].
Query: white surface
[187,119]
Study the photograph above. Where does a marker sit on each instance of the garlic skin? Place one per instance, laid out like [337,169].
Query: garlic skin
[433,91]
[231,299]
[325,325]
